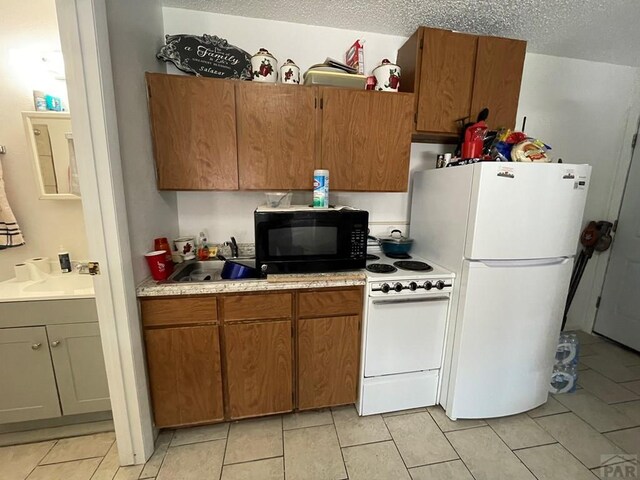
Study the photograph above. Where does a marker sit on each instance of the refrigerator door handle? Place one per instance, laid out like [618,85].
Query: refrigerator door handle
[537,262]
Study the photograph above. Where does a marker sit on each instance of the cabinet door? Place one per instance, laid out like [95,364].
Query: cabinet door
[193,121]
[27,379]
[184,375]
[446,80]
[328,359]
[276,136]
[366,139]
[498,75]
[76,351]
[258,361]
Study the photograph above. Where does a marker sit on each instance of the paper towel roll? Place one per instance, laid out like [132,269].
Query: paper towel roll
[22,272]
[41,263]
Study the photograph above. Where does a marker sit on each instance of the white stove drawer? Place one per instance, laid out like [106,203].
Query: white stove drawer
[398,392]
[404,334]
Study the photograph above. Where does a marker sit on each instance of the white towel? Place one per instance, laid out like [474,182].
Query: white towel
[10,234]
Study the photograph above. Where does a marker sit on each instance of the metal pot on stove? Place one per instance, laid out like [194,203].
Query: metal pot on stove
[396,244]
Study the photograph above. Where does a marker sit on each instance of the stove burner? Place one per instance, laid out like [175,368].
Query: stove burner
[381,268]
[399,256]
[371,256]
[413,265]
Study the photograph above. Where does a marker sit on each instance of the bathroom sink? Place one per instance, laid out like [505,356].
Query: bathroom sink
[63,284]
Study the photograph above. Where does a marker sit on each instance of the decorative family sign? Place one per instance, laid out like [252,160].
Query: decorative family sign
[206,56]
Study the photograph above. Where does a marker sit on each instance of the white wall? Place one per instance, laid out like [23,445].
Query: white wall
[29,29]
[585,110]
[135,36]
[223,214]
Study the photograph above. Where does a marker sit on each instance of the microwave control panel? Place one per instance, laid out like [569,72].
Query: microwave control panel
[358,243]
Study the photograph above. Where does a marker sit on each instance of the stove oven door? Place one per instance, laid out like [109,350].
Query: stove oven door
[405,334]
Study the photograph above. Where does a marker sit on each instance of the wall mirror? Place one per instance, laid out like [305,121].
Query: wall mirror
[51,143]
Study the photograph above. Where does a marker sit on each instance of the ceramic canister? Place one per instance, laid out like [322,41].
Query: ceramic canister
[264,67]
[290,73]
[387,76]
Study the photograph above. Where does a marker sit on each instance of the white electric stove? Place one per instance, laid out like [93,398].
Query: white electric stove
[405,320]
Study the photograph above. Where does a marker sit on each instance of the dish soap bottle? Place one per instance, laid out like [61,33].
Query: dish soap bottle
[203,248]
[65,260]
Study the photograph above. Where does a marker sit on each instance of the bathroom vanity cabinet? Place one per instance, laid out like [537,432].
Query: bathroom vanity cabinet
[52,360]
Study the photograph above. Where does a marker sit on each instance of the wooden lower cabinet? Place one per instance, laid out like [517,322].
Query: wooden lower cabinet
[226,357]
[258,368]
[185,375]
[328,360]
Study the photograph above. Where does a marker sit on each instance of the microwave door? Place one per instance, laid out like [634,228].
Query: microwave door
[303,239]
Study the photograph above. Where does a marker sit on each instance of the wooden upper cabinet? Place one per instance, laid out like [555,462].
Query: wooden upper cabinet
[366,139]
[498,74]
[446,80]
[276,136]
[455,75]
[193,121]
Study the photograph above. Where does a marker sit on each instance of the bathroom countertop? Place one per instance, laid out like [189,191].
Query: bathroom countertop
[50,287]
[151,288]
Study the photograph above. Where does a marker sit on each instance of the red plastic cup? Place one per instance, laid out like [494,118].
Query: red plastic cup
[161,243]
[158,265]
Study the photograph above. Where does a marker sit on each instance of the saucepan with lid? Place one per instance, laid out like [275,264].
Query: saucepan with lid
[396,244]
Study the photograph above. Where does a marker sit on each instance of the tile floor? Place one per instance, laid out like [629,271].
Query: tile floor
[562,439]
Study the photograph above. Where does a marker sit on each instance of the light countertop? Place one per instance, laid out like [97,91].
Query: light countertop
[52,287]
[151,288]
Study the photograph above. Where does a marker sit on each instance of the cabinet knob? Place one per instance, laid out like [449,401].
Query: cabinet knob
[36,346]
[55,343]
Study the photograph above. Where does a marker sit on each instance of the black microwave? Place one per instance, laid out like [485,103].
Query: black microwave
[310,240]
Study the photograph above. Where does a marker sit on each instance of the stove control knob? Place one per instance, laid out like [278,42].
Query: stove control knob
[384,288]
[428,285]
[397,287]
[413,286]
[439,284]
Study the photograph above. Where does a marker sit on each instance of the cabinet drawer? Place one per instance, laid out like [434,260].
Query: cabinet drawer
[238,308]
[330,303]
[179,311]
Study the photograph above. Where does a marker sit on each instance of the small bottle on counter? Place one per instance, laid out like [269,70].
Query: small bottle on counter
[203,248]
[65,260]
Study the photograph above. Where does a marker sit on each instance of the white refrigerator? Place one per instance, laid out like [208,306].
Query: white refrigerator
[509,231]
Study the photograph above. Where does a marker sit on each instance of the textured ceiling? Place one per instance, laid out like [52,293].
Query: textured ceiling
[598,30]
